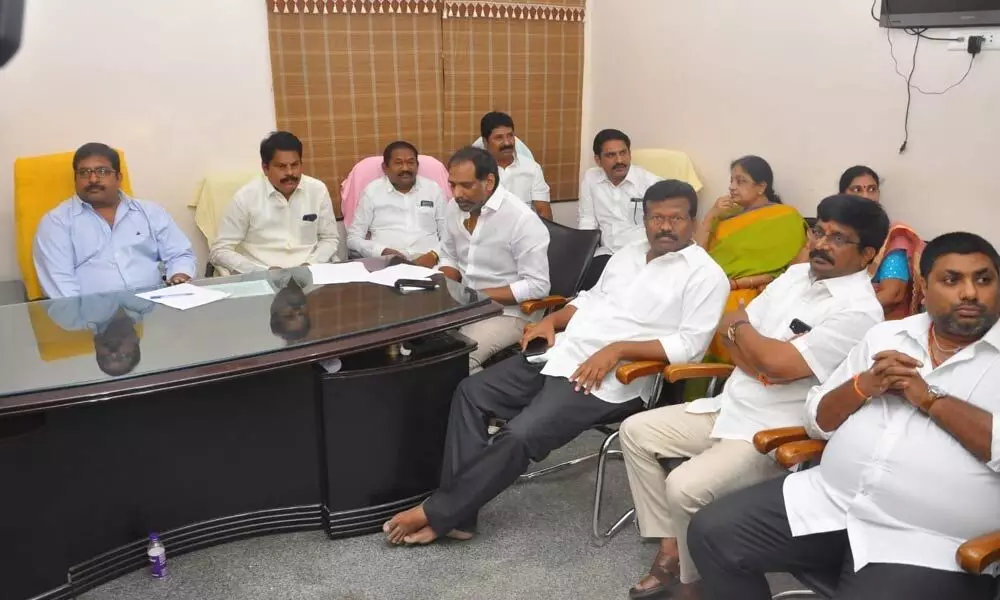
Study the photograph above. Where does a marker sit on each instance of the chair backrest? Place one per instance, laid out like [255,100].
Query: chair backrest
[369,169]
[40,184]
[214,194]
[668,164]
[570,253]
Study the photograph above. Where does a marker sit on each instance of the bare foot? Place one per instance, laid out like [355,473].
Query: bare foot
[425,536]
[405,523]
[462,536]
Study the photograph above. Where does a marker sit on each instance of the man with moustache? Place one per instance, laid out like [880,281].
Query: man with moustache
[492,242]
[101,240]
[789,339]
[912,466]
[660,298]
[521,175]
[280,220]
[401,214]
[611,197]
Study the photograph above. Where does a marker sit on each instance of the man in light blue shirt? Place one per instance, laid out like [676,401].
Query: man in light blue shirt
[101,240]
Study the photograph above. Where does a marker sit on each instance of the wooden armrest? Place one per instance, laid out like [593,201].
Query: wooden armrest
[769,439]
[795,453]
[532,306]
[629,372]
[683,372]
[979,553]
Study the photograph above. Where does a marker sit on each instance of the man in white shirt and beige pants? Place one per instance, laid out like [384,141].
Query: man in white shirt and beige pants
[281,220]
[492,243]
[659,299]
[787,340]
[912,466]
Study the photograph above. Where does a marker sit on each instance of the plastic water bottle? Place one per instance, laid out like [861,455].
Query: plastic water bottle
[157,557]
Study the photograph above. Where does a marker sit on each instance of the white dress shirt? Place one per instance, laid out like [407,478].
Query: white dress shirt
[261,229]
[676,299]
[524,179]
[410,222]
[614,209]
[839,310]
[508,247]
[906,491]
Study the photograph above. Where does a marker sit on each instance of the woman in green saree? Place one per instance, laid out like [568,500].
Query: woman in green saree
[750,234]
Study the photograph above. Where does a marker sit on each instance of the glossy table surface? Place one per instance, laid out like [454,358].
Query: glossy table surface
[90,347]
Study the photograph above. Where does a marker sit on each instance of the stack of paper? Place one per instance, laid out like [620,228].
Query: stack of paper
[347,272]
[243,289]
[183,296]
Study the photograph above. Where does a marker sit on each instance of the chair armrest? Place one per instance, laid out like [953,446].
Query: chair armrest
[796,453]
[769,439]
[683,372]
[979,553]
[629,372]
[532,306]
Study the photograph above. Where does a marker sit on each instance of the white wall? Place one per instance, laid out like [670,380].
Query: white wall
[810,86]
[182,86]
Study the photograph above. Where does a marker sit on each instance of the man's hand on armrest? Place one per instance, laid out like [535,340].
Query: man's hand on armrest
[502,295]
[589,375]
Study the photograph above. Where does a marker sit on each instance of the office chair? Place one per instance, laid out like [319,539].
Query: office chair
[570,253]
[792,447]
[214,194]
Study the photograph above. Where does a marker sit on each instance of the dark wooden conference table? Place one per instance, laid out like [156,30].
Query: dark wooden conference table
[120,417]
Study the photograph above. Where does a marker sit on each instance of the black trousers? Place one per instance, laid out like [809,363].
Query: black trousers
[738,538]
[593,273]
[542,414]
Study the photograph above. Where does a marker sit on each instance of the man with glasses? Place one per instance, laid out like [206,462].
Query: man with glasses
[789,339]
[101,240]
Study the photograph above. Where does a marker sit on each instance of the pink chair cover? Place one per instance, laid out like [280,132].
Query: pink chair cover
[370,169]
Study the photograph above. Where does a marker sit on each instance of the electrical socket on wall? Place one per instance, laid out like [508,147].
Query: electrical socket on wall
[989,39]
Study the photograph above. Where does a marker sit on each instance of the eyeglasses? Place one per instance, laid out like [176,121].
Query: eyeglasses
[101,172]
[861,189]
[836,239]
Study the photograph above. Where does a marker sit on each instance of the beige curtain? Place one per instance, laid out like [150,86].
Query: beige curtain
[350,76]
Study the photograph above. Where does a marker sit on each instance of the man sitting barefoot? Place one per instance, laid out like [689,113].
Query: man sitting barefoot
[658,299]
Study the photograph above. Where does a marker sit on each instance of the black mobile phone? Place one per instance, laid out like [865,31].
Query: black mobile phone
[535,347]
[406,285]
[798,327]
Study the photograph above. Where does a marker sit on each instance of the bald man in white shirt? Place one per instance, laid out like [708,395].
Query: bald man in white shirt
[520,175]
[787,340]
[491,242]
[281,220]
[912,466]
[659,299]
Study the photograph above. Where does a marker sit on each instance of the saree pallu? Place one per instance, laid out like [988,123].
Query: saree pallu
[902,237]
[760,242]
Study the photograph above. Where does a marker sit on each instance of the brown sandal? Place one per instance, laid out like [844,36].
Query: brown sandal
[664,571]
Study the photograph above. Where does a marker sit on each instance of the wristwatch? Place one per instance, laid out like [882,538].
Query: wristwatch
[934,394]
[731,332]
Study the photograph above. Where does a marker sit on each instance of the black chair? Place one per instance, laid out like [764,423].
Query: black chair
[570,253]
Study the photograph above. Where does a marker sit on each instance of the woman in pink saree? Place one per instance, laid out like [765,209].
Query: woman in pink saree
[894,270]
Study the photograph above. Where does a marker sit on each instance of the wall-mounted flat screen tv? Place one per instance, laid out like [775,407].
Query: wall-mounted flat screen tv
[940,13]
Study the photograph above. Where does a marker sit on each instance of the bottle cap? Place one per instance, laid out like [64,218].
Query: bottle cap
[154,536]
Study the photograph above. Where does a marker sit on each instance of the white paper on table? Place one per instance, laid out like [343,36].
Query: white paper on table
[331,273]
[389,275]
[183,296]
[243,289]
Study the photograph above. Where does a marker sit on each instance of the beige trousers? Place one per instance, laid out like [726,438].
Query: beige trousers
[492,335]
[716,468]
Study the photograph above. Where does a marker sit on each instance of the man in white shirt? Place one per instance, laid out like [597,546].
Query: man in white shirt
[787,340]
[401,214]
[521,175]
[912,467]
[281,220]
[611,198]
[659,299]
[493,243]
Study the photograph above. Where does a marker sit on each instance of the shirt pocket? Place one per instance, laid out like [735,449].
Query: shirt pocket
[426,219]
[308,232]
